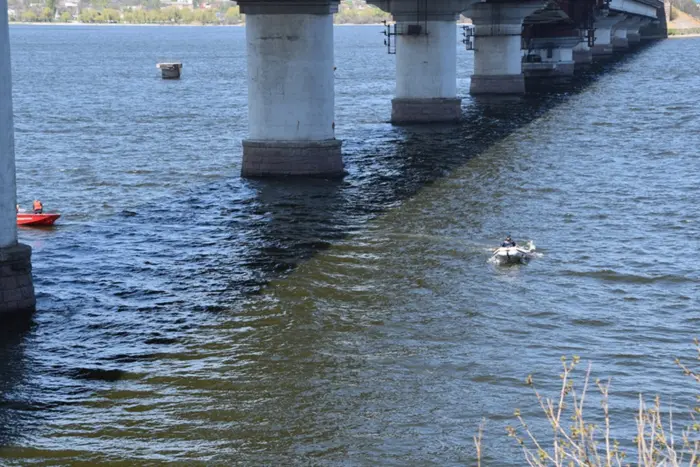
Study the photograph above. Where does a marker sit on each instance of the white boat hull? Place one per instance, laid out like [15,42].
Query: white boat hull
[511,255]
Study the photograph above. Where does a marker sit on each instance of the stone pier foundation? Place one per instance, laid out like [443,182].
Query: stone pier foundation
[16,288]
[498,46]
[426,59]
[291,89]
[426,74]
[603,48]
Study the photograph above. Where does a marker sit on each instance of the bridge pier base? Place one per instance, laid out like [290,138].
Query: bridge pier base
[291,93]
[619,39]
[633,38]
[632,31]
[16,288]
[497,43]
[426,74]
[582,56]
[554,62]
[603,48]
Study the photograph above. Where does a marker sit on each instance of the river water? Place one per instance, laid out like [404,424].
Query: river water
[189,317]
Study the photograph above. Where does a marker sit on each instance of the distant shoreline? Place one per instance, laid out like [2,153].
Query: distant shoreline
[681,36]
[78,23]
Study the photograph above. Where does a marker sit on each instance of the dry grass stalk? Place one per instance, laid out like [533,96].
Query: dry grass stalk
[477,443]
[583,444]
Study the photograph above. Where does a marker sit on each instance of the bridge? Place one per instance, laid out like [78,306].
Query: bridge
[291,80]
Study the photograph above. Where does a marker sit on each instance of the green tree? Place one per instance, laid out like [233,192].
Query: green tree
[205,17]
[51,5]
[350,14]
[233,15]
[171,15]
[29,16]
[88,15]
[46,15]
[187,16]
[110,15]
[65,17]
[100,4]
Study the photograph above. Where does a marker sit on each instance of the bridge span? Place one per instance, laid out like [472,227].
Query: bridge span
[291,80]
[290,63]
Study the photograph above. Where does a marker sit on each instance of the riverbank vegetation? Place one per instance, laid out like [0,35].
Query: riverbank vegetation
[689,7]
[575,437]
[165,12]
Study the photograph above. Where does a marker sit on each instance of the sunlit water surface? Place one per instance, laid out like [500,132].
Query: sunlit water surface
[186,315]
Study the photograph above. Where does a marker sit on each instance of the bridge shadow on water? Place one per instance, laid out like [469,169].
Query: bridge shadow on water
[291,220]
[266,228]
[13,333]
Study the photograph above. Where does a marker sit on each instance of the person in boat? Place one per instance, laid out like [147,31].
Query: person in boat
[508,242]
[38,207]
[17,208]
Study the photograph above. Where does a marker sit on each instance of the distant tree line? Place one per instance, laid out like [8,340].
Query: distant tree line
[686,6]
[153,12]
[360,13]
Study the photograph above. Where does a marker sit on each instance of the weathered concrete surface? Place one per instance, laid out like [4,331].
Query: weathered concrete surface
[620,44]
[291,93]
[498,46]
[16,287]
[582,58]
[427,110]
[292,158]
[604,33]
[426,73]
[497,84]
[555,55]
[8,215]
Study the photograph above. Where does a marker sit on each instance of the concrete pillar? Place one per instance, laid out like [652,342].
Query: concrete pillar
[582,55]
[426,59]
[643,23]
[603,47]
[555,57]
[619,37]
[633,25]
[498,46]
[426,74]
[291,93]
[16,288]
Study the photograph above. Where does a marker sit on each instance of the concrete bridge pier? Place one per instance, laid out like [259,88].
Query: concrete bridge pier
[426,74]
[16,287]
[582,55]
[291,93]
[426,59]
[633,26]
[603,48]
[498,46]
[618,38]
[555,59]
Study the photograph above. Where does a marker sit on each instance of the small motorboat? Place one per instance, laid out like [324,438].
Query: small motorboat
[512,255]
[30,219]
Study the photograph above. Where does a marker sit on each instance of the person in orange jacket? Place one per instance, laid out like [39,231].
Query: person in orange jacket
[38,207]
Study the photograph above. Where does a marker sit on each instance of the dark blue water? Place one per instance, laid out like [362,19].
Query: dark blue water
[186,315]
